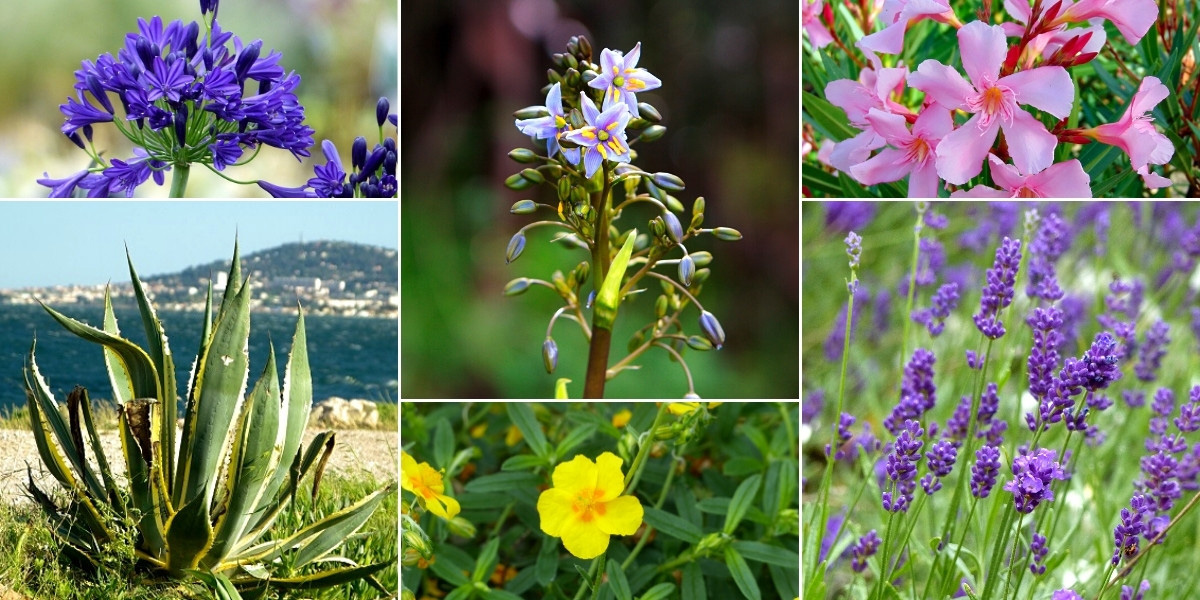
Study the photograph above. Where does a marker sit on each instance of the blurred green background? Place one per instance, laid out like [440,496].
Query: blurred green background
[343,50]
[730,103]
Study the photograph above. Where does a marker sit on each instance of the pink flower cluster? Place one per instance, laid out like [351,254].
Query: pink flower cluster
[1001,82]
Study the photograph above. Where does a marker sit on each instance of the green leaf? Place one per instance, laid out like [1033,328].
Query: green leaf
[661,591]
[673,525]
[160,353]
[819,182]
[560,388]
[443,444]
[500,595]
[575,437]
[547,561]
[828,119]
[486,562]
[501,482]
[328,577]
[787,581]
[617,581]
[608,297]
[522,417]
[1103,187]
[522,462]
[766,553]
[742,465]
[461,592]
[742,499]
[693,583]
[742,575]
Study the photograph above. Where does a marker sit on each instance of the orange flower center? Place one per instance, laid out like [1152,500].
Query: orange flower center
[993,99]
[918,150]
[587,505]
[1025,192]
[421,488]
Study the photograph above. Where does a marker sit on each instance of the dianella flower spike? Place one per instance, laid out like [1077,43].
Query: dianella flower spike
[620,78]
[603,138]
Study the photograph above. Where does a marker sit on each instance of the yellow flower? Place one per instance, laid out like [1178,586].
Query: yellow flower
[621,419]
[478,430]
[422,480]
[513,436]
[682,408]
[585,506]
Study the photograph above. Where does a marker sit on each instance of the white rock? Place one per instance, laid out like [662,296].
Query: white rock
[338,412]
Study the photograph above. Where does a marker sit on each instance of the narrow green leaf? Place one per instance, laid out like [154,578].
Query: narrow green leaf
[328,577]
[766,553]
[607,298]
[160,352]
[1103,187]
[500,595]
[742,499]
[819,182]
[742,575]
[462,592]
[661,591]
[522,462]
[787,581]
[828,119]
[443,444]
[673,525]
[547,561]
[486,562]
[575,437]
[522,416]
[617,581]
[501,482]
[693,583]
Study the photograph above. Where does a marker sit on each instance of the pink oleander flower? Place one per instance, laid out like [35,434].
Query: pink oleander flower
[911,154]
[818,34]
[874,89]
[898,15]
[1135,133]
[1060,180]
[1046,43]
[1132,18]
[995,102]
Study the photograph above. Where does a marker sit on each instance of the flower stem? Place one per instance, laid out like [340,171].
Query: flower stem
[639,461]
[597,366]
[179,178]
[662,496]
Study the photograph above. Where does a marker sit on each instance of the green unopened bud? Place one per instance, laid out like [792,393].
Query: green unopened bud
[560,284]
[523,155]
[660,307]
[702,258]
[515,246]
[550,171]
[673,203]
[713,542]
[701,276]
[564,188]
[587,75]
[584,49]
[407,595]
[727,234]
[549,354]
[581,272]
[461,527]
[674,229]
[648,112]
[667,432]
[523,207]
[696,342]
[553,76]
[579,195]
[627,445]
[698,212]
[637,123]
[582,210]
[559,59]
[576,119]
[573,44]
[517,286]
[518,182]
[712,329]
[668,181]
[687,269]
[415,540]
[572,62]
[657,227]
[697,221]
[533,175]
[631,184]
[572,78]
[532,112]
[652,133]
[789,519]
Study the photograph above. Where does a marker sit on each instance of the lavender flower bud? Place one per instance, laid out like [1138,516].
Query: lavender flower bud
[1152,351]
[901,467]
[984,471]
[854,249]
[381,110]
[865,547]
[998,293]
[712,329]
[1038,551]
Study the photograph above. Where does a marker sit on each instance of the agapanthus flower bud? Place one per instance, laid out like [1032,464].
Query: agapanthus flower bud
[207,6]
[712,329]
[381,110]
[515,246]
[358,152]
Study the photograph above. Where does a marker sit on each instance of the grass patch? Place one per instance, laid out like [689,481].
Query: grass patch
[32,561]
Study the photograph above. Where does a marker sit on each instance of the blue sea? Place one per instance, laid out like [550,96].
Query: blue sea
[351,357]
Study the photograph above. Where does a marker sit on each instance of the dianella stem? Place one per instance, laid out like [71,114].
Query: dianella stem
[597,365]
[179,178]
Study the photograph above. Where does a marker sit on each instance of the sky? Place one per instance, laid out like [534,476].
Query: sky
[45,243]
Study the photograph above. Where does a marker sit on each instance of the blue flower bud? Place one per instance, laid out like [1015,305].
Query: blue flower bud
[146,51]
[381,110]
[517,286]
[727,234]
[523,207]
[358,153]
[674,229]
[549,354]
[687,269]
[246,60]
[515,246]
[669,182]
[712,329]
[181,118]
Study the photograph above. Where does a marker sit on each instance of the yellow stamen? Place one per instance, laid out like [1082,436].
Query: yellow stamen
[635,84]
[993,98]
[603,152]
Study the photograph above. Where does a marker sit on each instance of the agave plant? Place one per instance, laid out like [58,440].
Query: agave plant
[203,497]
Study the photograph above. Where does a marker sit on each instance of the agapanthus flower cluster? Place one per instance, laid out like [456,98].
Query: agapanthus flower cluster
[1012,68]
[372,174]
[184,98]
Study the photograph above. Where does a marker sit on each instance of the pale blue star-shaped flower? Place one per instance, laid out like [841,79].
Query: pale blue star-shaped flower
[550,127]
[620,78]
[603,138]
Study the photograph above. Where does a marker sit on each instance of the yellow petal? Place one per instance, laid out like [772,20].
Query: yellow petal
[408,470]
[577,475]
[554,508]
[431,478]
[449,511]
[621,419]
[585,540]
[609,480]
[621,516]
[682,408]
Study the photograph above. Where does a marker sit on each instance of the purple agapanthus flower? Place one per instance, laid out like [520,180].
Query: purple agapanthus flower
[603,138]
[621,80]
[188,99]
[207,6]
[550,127]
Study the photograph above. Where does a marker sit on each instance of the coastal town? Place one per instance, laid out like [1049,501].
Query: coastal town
[325,278]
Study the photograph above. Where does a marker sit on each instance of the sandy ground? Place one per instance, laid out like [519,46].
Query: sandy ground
[356,451]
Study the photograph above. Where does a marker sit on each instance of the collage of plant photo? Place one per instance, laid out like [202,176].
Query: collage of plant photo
[1000,400]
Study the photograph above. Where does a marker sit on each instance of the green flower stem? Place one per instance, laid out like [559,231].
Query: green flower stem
[912,282]
[683,363]
[179,178]
[598,347]
[662,497]
[639,461]
[591,573]
[599,576]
